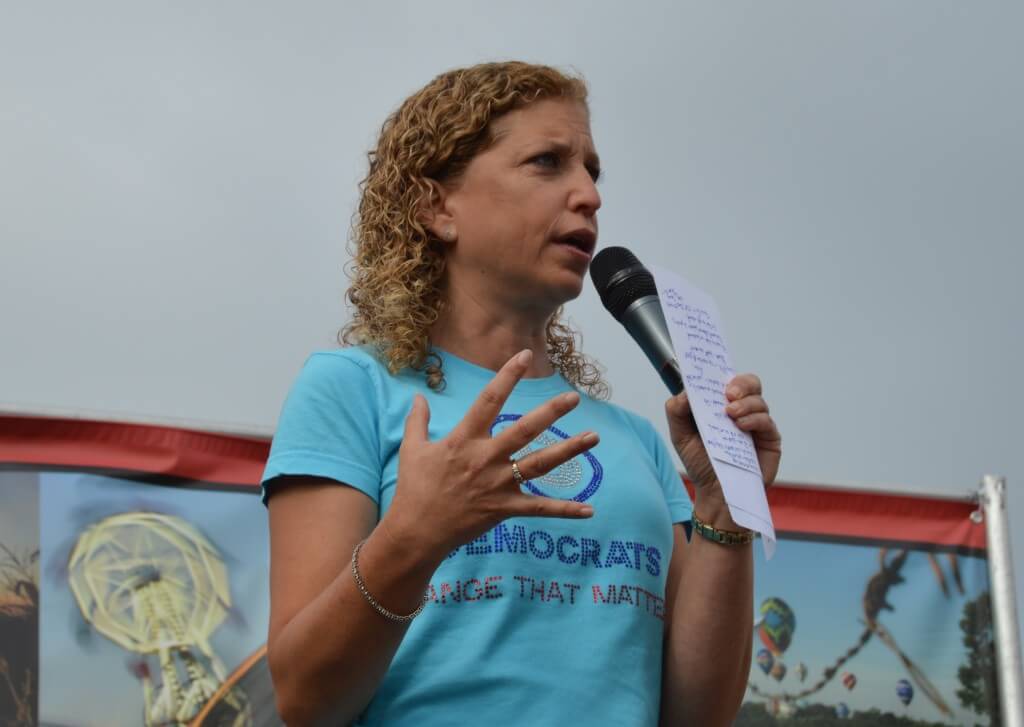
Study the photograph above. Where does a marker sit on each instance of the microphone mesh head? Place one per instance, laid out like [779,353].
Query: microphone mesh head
[609,261]
[620,279]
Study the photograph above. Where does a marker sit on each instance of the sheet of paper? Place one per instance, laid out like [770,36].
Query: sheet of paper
[696,331]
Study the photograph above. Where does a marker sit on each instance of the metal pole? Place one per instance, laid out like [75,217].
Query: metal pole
[1004,601]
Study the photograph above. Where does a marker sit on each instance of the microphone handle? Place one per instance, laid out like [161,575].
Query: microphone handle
[645,322]
[672,377]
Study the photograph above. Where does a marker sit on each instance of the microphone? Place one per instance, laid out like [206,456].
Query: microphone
[628,291]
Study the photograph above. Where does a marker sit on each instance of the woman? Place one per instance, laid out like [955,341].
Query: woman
[460,457]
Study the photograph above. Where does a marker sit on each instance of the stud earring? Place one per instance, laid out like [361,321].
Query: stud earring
[449,234]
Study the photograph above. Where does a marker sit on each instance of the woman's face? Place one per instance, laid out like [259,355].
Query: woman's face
[524,211]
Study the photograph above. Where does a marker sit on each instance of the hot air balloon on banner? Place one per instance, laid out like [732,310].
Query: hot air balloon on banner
[765,660]
[905,691]
[842,711]
[776,625]
[801,671]
[849,680]
[779,671]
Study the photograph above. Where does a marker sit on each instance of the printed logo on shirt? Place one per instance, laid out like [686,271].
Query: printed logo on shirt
[578,479]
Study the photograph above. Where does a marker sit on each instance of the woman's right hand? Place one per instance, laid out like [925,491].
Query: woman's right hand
[453,490]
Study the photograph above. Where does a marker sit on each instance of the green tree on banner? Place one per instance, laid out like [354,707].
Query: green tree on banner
[978,676]
[753,714]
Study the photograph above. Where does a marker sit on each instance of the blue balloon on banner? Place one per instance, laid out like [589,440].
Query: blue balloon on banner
[842,711]
[905,691]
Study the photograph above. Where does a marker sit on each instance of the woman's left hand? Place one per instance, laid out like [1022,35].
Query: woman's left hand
[748,409]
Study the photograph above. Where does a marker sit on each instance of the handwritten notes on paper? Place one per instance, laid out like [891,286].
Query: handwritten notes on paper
[696,332]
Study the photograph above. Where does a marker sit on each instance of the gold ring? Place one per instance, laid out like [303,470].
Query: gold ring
[517,474]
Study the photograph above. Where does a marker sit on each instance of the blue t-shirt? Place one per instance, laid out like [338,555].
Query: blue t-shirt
[538,621]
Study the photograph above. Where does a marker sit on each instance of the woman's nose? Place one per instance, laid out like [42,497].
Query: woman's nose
[584,196]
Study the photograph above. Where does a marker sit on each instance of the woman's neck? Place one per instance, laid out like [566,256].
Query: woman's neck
[489,335]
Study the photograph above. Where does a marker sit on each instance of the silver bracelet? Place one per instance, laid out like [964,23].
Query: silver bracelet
[373,601]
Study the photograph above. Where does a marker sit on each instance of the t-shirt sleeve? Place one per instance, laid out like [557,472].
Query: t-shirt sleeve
[328,427]
[679,505]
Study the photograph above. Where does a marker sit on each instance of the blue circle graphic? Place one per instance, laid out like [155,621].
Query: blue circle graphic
[595,466]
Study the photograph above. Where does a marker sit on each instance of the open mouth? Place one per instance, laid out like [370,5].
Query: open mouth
[582,240]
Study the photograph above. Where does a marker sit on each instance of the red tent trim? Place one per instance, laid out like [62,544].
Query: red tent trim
[827,513]
[797,510]
[167,451]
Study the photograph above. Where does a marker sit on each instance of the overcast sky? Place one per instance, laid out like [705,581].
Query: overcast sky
[177,180]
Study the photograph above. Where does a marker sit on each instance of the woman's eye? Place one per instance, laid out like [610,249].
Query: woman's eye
[547,159]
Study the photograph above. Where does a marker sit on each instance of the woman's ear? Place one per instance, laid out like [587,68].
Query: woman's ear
[438,218]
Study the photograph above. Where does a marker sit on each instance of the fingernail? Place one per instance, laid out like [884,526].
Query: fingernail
[524,356]
[591,438]
[571,397]
[586,510]
[734,392]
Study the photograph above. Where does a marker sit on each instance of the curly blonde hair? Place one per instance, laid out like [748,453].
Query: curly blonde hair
[398,264]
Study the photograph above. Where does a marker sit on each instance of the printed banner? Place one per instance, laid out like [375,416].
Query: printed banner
[133,590]
[133,577]
[875,611]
